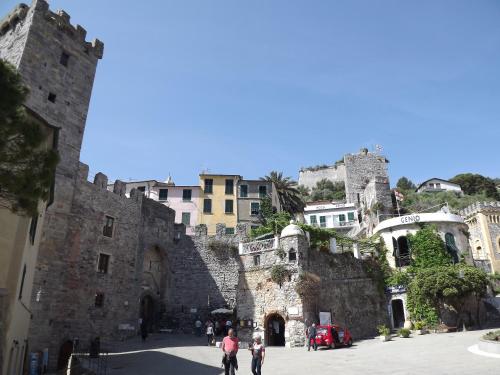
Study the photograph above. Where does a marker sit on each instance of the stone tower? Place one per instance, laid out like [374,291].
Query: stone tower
[58,66]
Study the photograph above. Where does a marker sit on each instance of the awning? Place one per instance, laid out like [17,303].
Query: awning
[222,311]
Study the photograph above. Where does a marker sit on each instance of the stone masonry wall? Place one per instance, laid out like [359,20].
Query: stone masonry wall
[204,273]
[310,178]
[360,169]
[347,292]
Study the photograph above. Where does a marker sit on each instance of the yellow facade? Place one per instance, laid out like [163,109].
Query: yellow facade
[19,241]
[214,201]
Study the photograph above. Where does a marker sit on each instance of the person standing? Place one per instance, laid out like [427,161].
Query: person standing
[144,330]
[258,355]
[197,326]
[230,346]
[210,333]
[311,335]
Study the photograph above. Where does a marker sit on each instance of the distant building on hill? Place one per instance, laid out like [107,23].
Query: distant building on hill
[330,214]
[435,185]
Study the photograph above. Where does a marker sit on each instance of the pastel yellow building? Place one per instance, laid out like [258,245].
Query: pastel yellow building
[218,201]
[19,241]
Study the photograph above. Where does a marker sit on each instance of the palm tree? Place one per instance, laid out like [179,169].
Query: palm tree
[288,194]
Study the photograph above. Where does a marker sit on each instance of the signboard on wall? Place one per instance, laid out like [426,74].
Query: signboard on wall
[325,318]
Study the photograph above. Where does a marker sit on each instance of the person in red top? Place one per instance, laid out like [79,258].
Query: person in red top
[230,345]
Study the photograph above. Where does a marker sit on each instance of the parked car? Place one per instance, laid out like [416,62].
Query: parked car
[333,336]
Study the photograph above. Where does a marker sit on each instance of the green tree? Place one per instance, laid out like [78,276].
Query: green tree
[476,184]
[405,184]
[288,195]
[26,169]
[327,190]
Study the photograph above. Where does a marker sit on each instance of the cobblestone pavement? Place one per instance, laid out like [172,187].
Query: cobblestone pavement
[428,354]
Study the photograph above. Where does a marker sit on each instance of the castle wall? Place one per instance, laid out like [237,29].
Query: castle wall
[310,178]
[347,292]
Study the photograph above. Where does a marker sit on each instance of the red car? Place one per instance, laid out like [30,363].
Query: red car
[333,336]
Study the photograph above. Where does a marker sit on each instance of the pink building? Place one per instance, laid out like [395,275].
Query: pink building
[182,199]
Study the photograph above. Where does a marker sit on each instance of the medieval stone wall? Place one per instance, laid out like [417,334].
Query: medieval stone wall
[347,292]
[334,173]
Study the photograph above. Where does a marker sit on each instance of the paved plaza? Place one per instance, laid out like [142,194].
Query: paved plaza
[428,354]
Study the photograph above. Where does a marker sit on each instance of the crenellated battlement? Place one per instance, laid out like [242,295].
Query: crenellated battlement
[480,207]
[60,19]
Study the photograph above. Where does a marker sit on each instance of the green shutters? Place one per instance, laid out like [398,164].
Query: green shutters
[229,186]
[207,206]
[244,191]
[350,216]
[186,194]
[313,220]
[163,194]
[254,208]
[322,221]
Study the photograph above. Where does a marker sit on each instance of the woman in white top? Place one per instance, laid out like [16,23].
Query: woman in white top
[210,333]
[258,354]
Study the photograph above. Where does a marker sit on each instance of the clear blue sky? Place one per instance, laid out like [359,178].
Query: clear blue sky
[250,86]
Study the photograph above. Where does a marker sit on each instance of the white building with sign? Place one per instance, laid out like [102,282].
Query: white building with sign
[327,214]
[394,232]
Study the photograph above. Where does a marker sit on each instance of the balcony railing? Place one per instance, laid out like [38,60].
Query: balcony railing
[258,246]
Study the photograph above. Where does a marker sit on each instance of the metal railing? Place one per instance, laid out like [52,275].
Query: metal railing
[97,363]
[258,246]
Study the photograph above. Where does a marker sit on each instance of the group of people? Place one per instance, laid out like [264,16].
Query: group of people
[213,328]
[230,346]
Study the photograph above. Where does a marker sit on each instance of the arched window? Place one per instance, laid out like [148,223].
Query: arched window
[402,251]
[449,239]
[292,255]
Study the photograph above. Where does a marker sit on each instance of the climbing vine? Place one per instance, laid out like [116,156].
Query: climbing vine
[279,274]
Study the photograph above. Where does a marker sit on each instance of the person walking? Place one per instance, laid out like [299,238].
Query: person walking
[144,330]
[258,354]
[230,345]
[197,326]
[210,333]
[311,335]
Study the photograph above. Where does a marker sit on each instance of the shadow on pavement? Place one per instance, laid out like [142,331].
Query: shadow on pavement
[157,341]
[152,363]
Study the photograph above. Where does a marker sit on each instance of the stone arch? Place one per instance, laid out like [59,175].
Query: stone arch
[65,351]
[274,329]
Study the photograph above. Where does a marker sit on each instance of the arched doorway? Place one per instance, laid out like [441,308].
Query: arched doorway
[398,313]
[275,330]
[148,311]
[64,354]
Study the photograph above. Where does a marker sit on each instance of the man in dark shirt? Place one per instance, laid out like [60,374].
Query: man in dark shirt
[311,335]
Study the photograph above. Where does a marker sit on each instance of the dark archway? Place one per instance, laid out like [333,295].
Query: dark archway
[64,354]
[275,330]
[398,313]
[148,314]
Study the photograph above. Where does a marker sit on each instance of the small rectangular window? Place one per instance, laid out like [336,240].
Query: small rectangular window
[52,97]
[141,188]
[207,206]
[99,300]
[108,227]
[229,230]
[313,220]
[262,191]
[256,260]
[33,225]
[103,263]
[209,186]
[163,194]
[186,218]
[342,217]
[64,59]
[244,191]
[229,186]
[350,216]
[322,221]
[186,194]
[229,206]
[254,208]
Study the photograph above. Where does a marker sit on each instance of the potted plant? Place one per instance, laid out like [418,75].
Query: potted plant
[404,332]
[420,327]
[384,332]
